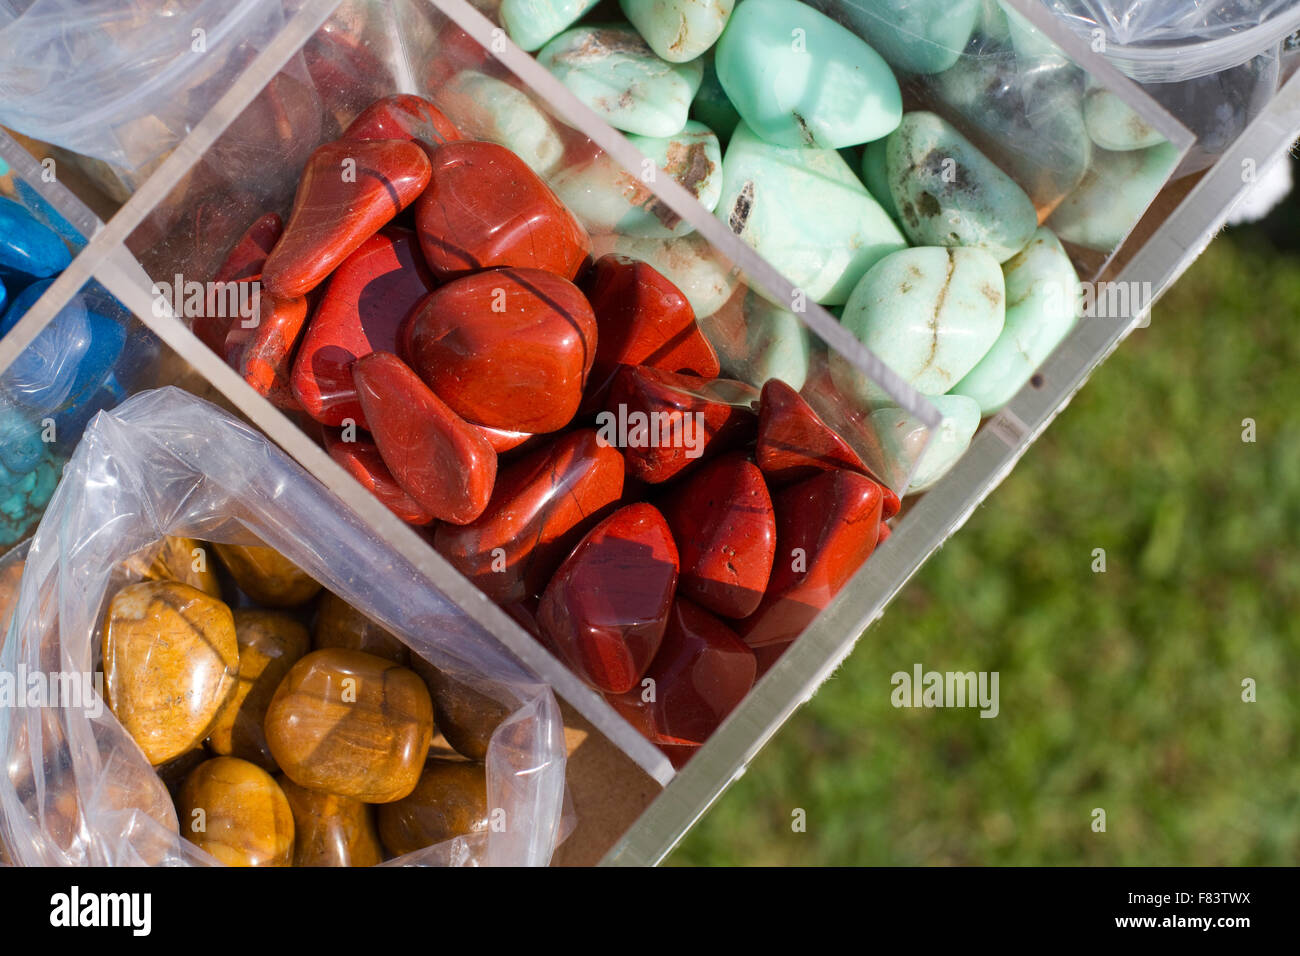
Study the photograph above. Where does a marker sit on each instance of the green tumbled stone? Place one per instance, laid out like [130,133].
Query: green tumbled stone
[702,274]
[678,30]
[1114,125]
[763,342]
[876,177]
[929,313]
[1114,194]
[915,36]
[531,23]
[613,71]
[806,213]
[486,108]
[948,193]
[798,78]
[711,106]
[903,436]
[1042,305]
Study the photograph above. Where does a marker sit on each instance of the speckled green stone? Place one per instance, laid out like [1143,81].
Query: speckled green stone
[903,436]
[678,30]
[1114,194]
[690,263]
[493,110]
[915,36]
[1113,124]
[531,23]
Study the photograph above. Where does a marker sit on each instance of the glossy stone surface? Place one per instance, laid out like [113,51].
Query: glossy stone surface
[678,30]
[350,723]
[270,642]
[348,190]
[531,23]
[757,340]
[403,116]
[244,262]
[929,313]
[606,608]
[1114,125]
[339,624]
[438,458]
[449,801]
[702,671]
[362,460]
[541,505]
[499,112]
[690,263]
[917,36]
[330,830]
[263,354]
[171,662]
[236,811]
[798,78]
[805,211]
[484,208]
[1114,194]
[725,529]
[267,576]
[711,105]
[875,176]
[665,422]
[904,436]
[826,526]
[1042,304]
[613,71]
[28,248]
[793,441]
[368,296]
[948,193]
[464,716]
[509,348]
[185,560]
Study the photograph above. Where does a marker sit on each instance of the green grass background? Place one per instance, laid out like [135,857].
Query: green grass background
[1119,690]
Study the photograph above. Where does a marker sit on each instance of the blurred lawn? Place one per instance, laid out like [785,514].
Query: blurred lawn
[1119,690]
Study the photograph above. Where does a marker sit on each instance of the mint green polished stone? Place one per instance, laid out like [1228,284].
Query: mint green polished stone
[678,30]
[613,71]
[876,177]
[928,313]
[1114,125]
[948,193]
[1042,305]
[531,23]
[486,108]
[703,275]
[1030,43]
[914,36]
[1114,194]
[608,198]
[805,212]
[798,78]
[775,343]
[903,436]
[711,106]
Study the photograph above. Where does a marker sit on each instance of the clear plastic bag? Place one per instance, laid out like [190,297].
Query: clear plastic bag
[77,789]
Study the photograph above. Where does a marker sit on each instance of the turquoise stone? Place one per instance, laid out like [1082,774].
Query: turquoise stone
[1114,194]
[711,106]
[1030,43]
[29,472]
[483,107]
[1042,304]
[1114,125]
[798,78]
[916,36]
[28,249]
[804,211]
[762,342]
[531,23]
[875,175]
[928,313]
[903,436]
[613,71]
[678,30]
[702,274]
[949,194]
[992,24]
[608,198]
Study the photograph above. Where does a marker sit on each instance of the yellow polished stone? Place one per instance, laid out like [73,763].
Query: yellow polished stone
[267,576]
[237,812]
[331,830]
[449,801]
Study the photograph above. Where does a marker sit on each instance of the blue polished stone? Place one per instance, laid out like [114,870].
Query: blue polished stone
[28,249]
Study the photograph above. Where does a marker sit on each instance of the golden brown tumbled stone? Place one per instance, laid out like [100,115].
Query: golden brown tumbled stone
[267,576]
[339,624]
[462,714]
[181,559]
[449,801]
[351,723]
[170,664]
[270,642]
[237,812]
[331,830]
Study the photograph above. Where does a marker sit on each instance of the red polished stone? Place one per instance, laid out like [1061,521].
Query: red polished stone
[404,116]
[793,442]
[885,532]
[364,304]
[508,348]
[501,440]
[642,319]
[362,460]
[484,208]
[826,526]
[437,458]
[702,671]
[606,608]
[678,755]
[767,655]
[244,261]
[722,520]
[349,189]
[541,505]
[263,354]
[665,422]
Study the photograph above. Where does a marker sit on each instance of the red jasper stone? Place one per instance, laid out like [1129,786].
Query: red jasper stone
[826,526]
[244,261]
[885,532]
[702,671]
[606,608]
[541,505]
[263,354]
[642,319]
[437,458]
[722,520]
[501,440]
[678,755]
[404,116]
[348,190]
[666,422]
[508,348]
[362,460]
[364,304]
[793,442]
[767,655]
[484,208]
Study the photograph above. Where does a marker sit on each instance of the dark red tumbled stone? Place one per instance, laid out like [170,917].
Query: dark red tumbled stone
[502,440]
[606,608]
[404,116]
[437,458]
[541,505]
[349,189]
[244,261]
[263,354]
[722,520]
[485,208]
[826,526]
[361,459]
[507,348]
[793,442]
